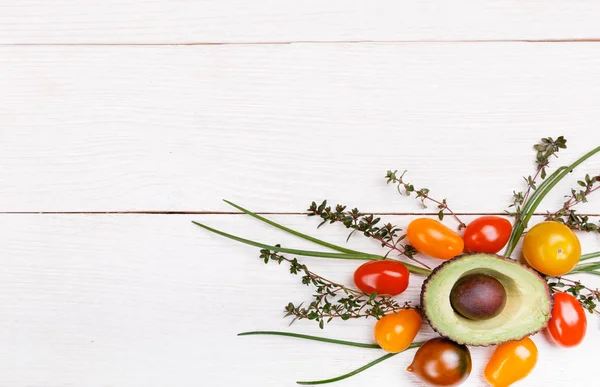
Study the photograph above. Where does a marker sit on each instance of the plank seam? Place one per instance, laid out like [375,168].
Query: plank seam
[241,213]
[267,43]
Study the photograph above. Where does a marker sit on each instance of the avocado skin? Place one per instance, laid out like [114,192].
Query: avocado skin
[491,256]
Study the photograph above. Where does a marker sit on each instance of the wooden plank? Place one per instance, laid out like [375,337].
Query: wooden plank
[151,300]
[193,21]
[275,127]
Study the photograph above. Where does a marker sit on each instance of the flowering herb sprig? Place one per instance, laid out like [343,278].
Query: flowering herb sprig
[388,235]
[568,215]
[422,194]
[545,150]
[587,297]
[331,299]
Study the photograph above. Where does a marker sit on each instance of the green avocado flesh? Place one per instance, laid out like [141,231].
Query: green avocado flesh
[528,301]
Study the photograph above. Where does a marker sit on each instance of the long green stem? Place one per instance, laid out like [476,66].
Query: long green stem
[521,223]
[314,338]
[587,256]
[537,197]
[293,232]
[308,253]
[588,266]
[585,267]
[359,370]
[535,201]
[594,272]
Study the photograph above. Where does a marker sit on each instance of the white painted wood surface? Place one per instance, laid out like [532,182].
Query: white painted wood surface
[151,300]
[193,21]
[275,127]
[90,122]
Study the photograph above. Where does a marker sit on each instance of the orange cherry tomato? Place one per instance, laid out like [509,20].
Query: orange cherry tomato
[382,277]
[434,239]
[568,323]
[395,332]
[511,362]
[487,234]
[551,248]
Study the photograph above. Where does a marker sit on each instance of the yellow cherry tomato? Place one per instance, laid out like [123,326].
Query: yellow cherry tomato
[395,332]
[511,362]
[551,248]
[432,238]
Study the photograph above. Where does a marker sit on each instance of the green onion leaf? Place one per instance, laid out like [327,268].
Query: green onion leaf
[309,253]
[359,370]
[289,230]
[314,338]
[363,257]
[587,256]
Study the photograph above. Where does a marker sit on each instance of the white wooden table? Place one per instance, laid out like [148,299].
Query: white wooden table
[123,120]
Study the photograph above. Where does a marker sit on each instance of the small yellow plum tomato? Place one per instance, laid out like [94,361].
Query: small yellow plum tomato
[551,248]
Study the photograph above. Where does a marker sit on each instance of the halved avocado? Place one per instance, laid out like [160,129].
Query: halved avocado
[528,301]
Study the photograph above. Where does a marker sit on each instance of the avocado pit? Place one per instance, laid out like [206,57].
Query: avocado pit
[478,296]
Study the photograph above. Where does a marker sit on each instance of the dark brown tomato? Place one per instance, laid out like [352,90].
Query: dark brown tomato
[382,277]
[442,362]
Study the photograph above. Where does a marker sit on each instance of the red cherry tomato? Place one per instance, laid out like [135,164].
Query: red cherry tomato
[382,277]
[487,234]
[568,323]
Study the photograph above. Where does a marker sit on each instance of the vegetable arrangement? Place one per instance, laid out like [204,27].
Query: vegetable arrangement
[474,298]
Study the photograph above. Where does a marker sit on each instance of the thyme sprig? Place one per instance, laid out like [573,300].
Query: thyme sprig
[568,215]
[587,297]
[388,235]
[545,149]
[422,194]
[331,299]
